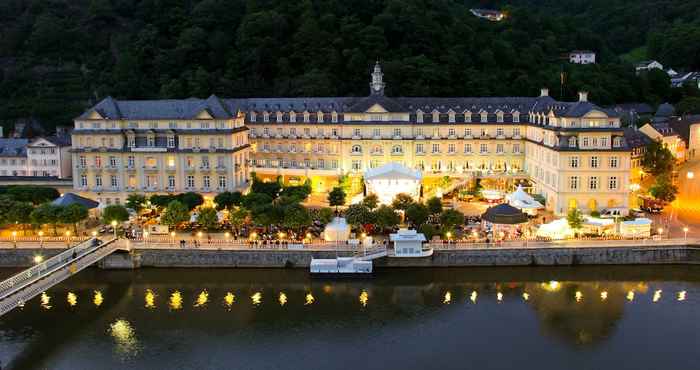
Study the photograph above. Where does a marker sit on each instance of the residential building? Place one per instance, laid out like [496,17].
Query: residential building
[582,57]
[688,127]
[690,78]
[664,133]
[49,156]
[574,153]
[159,146]
[637,142]
[13,157]
[647,65]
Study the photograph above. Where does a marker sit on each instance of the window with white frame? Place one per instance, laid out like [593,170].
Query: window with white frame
[83,181]
[516,148]
[397,149]
[612,183]
[594,162]
[483,148]
[436,148]
[467,132]
[113,181]
[451,148]
[171,182]
[356,149]
[467,148]
[573,182]
[397,132]
[206,181]
[593,183]
[499,148]
[222,182]
[357,132]
[451,132]
[419,149]
[573,162]
[614,161]
[190,181]
[499,131]
[98,181]
[572,142]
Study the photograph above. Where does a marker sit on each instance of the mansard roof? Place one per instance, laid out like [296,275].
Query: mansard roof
[110,108]
[191,108]
[11,147]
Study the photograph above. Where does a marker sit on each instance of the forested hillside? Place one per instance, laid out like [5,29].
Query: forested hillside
[59,56]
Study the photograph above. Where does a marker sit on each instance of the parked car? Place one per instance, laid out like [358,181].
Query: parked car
[615,212]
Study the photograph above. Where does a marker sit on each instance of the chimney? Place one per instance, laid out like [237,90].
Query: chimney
[544,91]
[582,96]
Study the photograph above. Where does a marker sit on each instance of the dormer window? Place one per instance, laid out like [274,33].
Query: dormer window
[292,116]
[467,116]
[572,142]
[419,116]
[516,116]
[279,117]
[306,117]
[266,116]
[499,116]
[319,116]
[334,117]
[171,141]
[451,116]
[253,117]
[484,116]
[436,116]
[617,142]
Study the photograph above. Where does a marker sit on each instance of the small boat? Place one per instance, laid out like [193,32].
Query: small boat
[340,265]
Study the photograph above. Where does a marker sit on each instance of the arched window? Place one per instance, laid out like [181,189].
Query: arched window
[572,142]
[356,149]
[377,149]
[397,149]
[617,142]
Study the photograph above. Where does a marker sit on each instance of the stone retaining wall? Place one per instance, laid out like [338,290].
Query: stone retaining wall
[441,258]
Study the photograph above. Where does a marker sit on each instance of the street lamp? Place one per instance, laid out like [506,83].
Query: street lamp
[114,227]
[172,237]
[94,234]
[690,175]
[38,259]
[660,231]
[145,239]
[14,238]
[685,232]
[68,238]
[41,239]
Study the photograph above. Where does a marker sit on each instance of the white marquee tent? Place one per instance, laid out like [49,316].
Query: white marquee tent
[523,201]
[391,179]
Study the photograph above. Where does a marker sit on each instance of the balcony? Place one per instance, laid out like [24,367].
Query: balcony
[171,168]
[500,137]
[397,137]
[150,168]
[205,168]
[112,167]
[517,137]
[221,169]
[452,137]
[468,137]
[189,169]
[420,137]
[356,137]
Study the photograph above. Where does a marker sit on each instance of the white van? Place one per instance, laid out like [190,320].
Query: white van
[615,212]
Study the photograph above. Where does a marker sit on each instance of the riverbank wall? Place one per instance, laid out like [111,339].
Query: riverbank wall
[194,258]
[164,258]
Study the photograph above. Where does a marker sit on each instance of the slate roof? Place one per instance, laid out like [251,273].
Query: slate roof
[682,125]
[13,147]
[70,198]
[635,138]
[665,110]
[228,108]
[639,108]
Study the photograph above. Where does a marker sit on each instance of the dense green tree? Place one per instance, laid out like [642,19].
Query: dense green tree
[689,105]
[359,215]
[190,199]
[451,218]
[175,214]
[402,201]
[136,202]
[114,212]
[429,231]
[237,217]
[73,214]
[663,189]
[271,189]
[296,217]
[336,197]
[434,205]
[575,218]
[228,200]
[657,159]
[161,200]
[371,201]
[385,217]
[207,218]
[324,215]
[417,214]
[46,213]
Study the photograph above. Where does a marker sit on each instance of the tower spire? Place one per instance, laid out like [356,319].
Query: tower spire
[377,84]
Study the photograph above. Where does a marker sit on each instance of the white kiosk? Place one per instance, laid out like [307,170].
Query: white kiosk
[409,243]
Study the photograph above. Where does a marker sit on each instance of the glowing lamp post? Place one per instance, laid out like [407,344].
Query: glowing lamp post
[449,238]
[68,239]
[685,232]
[172,237]
[660,231]
[14,238]
[145,239]
[41,239]
[114,227]
[38,259]
[690,175]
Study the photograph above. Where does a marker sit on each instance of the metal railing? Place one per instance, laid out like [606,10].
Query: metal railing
[8,286]
[63,271]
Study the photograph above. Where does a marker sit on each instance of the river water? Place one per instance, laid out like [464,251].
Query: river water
[457,318]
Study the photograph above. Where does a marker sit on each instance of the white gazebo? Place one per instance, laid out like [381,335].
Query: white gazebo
[523,201]
[391,179]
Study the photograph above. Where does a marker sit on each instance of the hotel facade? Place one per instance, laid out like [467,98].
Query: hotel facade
[573,153]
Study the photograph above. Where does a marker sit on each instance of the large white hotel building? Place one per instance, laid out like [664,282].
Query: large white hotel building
[573,153]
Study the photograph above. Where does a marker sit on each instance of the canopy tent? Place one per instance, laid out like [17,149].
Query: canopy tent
[557,229]
[336,230]
[504,214]
[638,228]
[71,198]
[524,201]
[391,179]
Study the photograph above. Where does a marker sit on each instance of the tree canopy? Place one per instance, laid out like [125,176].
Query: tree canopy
[60,56]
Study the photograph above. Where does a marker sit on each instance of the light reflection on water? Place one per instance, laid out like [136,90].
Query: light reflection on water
[412,312]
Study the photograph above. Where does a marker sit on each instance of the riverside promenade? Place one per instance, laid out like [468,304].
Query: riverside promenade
[240,253]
